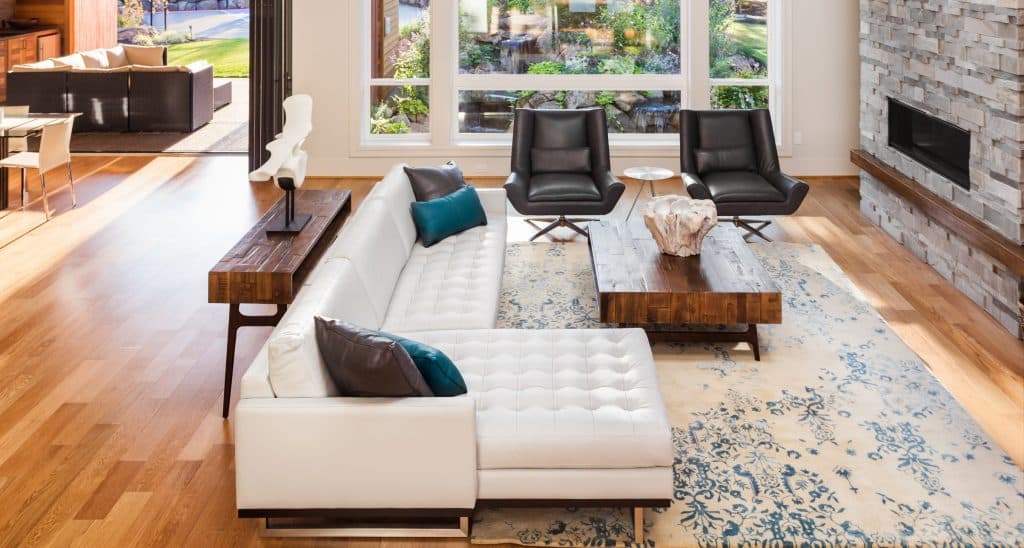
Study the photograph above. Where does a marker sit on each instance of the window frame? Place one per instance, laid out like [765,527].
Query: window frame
[444,139]
[368,82]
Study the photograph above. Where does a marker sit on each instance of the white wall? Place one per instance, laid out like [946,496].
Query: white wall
[822,60]
[825,63]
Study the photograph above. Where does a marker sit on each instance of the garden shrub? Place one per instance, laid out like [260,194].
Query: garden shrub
[546,67]
[617,65]
[411,57]
[169,37]
[739,97]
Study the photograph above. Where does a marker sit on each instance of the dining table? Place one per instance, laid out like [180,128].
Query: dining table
[21,127]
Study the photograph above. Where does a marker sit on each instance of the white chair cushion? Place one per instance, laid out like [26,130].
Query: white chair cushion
[454,284]
[372,242]
[395,192]
[296,369]
[565,398]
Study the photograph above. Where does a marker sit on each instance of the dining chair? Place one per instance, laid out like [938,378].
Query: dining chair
[17,144]
[54,152]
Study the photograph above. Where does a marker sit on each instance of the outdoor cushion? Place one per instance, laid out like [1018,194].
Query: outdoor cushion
[158,68]
[99,70]
[144,55]
[74,60]
[96,58]
[41,66]
[117,57]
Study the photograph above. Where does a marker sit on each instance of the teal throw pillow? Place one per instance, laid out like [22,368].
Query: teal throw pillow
[441,375]
[442,217]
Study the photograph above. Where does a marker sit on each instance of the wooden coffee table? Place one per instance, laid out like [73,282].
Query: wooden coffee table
[262,269]
[639,286]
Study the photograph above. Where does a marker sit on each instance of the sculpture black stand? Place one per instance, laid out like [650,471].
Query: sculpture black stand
[288,222]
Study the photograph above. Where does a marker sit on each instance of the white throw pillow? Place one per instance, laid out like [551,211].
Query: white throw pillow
[95,59]
[152,56]
[117,57]
[74,61]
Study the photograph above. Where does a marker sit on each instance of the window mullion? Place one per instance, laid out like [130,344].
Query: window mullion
[699,92]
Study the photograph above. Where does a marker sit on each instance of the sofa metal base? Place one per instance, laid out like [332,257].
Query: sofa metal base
[362,523]
[638,507]
[556,222]
[753,227]
[418,523]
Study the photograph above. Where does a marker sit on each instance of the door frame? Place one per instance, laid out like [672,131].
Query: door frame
[270,78]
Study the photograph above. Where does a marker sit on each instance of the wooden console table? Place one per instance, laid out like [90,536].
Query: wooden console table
[639,286]
[262,269]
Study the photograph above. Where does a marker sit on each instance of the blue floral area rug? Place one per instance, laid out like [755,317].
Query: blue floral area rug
[839,436]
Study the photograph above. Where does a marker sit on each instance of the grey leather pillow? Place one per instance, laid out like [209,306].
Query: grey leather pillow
[366,364]
[710,160]
[560,160]
[429,183]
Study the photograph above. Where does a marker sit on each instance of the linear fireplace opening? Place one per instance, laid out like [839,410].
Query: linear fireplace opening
[935,143]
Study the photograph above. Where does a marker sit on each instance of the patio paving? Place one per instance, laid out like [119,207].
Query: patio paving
[227,133]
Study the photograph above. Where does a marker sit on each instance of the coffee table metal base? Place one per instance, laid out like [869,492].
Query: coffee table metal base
[691,336]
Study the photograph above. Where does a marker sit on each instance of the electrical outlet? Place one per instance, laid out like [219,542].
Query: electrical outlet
[798,137]
[387,25]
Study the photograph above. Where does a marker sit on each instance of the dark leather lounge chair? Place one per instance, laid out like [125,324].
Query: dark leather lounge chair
[561,166]
[729,157]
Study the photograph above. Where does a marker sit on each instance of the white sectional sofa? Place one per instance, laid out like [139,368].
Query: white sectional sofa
[552,417]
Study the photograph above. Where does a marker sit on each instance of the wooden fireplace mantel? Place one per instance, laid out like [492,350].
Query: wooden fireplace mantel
[953,218]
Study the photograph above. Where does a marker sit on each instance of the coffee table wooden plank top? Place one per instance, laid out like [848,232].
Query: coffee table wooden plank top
[262,269]
[639,285]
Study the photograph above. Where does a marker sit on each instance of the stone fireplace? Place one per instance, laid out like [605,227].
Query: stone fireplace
[960,63]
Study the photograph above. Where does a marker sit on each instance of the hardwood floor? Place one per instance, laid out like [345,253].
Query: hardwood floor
[111,361]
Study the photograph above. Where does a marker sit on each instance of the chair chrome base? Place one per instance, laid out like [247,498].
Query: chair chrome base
[753,227]
[556,222]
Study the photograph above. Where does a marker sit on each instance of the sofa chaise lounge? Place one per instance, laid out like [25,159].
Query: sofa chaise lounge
[553,417]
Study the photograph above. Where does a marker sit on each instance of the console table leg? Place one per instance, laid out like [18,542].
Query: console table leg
[236,320]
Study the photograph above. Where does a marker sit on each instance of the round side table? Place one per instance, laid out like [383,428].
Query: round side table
[647,175]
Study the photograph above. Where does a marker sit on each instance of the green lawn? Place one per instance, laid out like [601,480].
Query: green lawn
[750,37]
[230,58]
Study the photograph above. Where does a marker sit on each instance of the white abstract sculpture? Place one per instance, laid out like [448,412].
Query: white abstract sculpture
[287,162]
[679,223]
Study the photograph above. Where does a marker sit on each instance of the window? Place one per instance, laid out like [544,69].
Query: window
[398,92]
[632,58]
[738,41]
[569,54]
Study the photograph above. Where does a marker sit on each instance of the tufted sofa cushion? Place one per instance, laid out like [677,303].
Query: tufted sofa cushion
[453,284]
[557,398]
